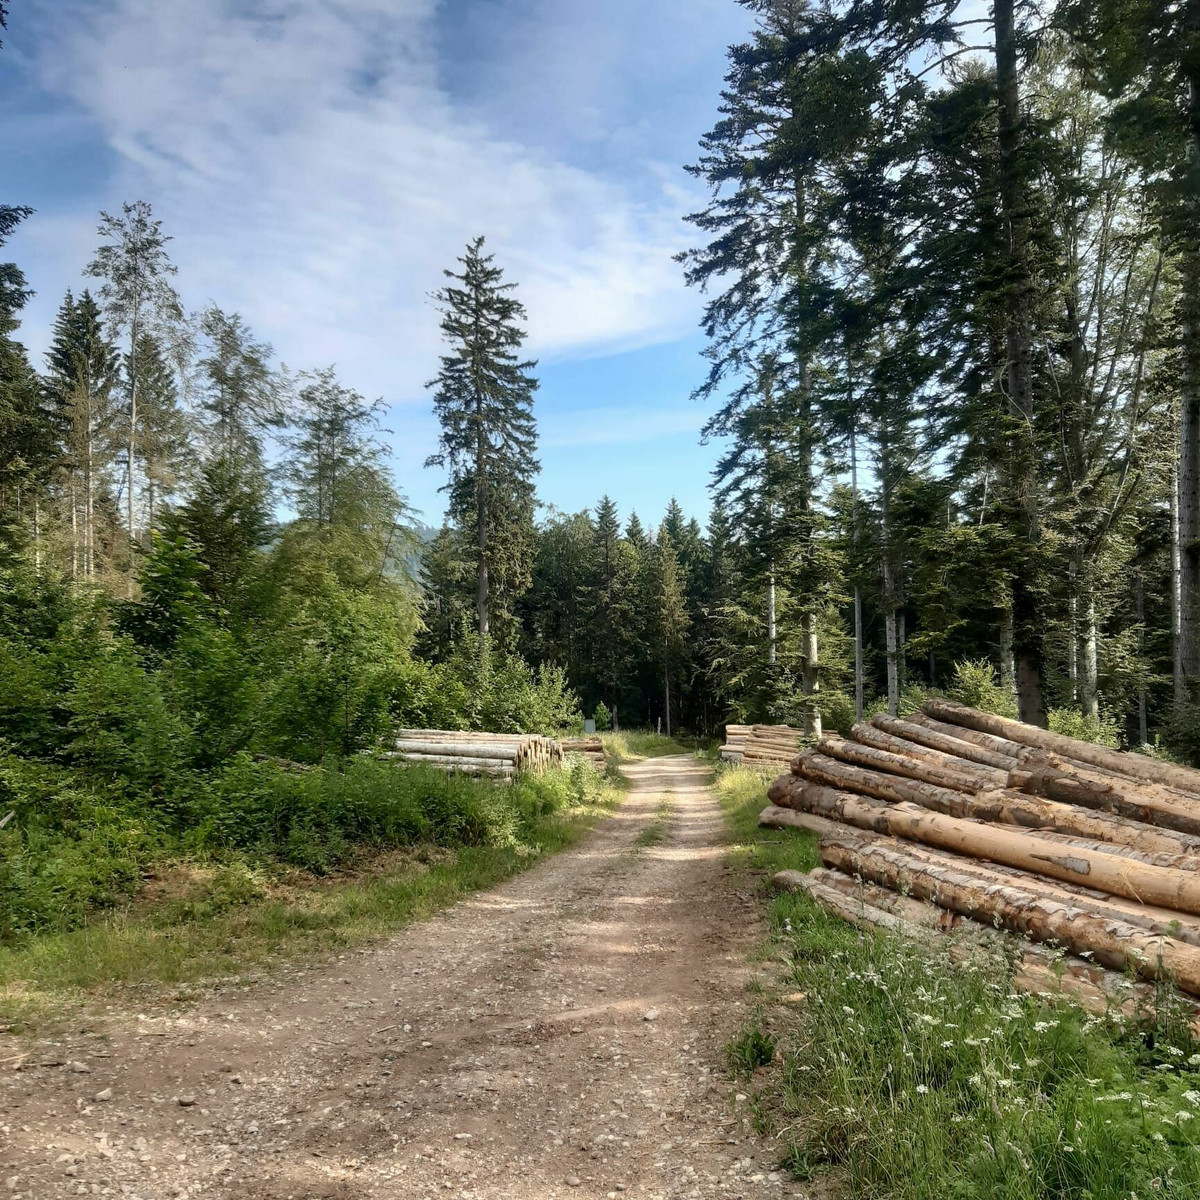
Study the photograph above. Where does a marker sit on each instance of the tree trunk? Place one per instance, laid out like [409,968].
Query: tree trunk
[880,751]
[1007,807]
[1140,613]
[1018,364]
[889,582]
[667,687]
[947,744]
[771,615]
[1011,847]
[1136,766]
[809,683]
[89,515]
[74,532]
[37,530]
[1022,910]
[858,617]
[1089,669]
[1008,668]
[1179,690]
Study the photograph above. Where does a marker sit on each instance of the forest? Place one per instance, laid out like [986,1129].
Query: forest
[950,270]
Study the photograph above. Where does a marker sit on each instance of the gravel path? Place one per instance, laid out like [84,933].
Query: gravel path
[559,1036]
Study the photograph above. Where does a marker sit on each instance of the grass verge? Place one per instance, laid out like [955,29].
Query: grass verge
[898,1073]
[634,745]
[194,924]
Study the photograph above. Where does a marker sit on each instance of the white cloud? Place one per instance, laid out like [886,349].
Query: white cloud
[317,178]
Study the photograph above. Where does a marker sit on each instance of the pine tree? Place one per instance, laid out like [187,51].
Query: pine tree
[82,377]
[139,300]
[27,444]
[483,399]
[241,399]
[668,621]
[163,428]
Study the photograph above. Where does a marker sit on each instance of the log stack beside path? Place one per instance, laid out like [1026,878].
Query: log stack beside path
[994,823]
[503,755]
[591,748]
[764,746]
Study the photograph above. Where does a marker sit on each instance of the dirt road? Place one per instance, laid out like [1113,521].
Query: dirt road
[559,1036]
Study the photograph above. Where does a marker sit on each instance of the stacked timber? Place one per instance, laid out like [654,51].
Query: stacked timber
[761,745]
[591,748]
[504,755]
[995,824]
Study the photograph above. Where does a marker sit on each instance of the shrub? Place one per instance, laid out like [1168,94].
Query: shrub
[1070,721]
[975,683]
[602,717]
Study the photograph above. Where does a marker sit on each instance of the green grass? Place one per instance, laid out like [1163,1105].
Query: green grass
[900,1074]
[635,745]
[240,918]
[657,829]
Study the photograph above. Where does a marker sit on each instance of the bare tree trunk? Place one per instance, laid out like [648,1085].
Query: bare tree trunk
[1073,642]
[810,683]
[771,615]
[74,532]
[1179,690]
[1088,699]
[1008,668]
[889,582]
[89,515]
[667,685]
[37,532]
[1140,602]
[1018,359]
[858,621]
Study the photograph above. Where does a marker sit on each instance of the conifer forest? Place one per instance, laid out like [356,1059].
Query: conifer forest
[948,257]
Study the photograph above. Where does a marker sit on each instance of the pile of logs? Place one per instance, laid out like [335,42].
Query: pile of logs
[591,748]
[1004,825]
[504,755]
[760,745]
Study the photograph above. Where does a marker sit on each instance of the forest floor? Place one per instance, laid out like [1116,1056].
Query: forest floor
[561,1035]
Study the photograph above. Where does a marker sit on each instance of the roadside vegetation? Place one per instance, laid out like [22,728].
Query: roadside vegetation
[376,845]
[889,1071]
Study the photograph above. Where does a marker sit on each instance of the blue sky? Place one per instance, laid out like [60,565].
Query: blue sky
[319,161]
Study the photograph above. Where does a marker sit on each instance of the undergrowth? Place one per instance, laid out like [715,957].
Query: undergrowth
[634,745]
[902,1074]
[424,839]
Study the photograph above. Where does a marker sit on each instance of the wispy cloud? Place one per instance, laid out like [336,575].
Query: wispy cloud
[318,175]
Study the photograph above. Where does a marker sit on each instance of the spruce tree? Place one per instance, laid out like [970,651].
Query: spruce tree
[27,442]
[139,300]
[82,379]
[483,399]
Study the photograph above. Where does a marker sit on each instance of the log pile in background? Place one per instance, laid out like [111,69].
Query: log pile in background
[504,755]
[761,745]
[1003,825]
[591,748]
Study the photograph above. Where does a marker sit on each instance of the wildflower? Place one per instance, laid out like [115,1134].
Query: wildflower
[1192,1096]
[1004,1083]
[1194,1061]
[1184,1115]
[922,1090]
[946,1045]
[847,1010]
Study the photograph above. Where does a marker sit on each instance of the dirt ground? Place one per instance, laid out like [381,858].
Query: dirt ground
[558,1036]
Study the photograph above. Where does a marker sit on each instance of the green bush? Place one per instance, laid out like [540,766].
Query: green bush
[1072,723]
[976,683]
